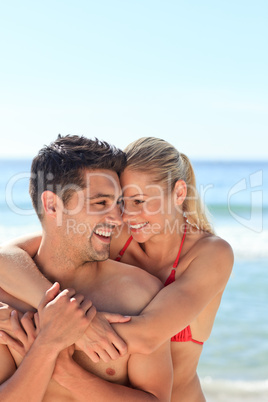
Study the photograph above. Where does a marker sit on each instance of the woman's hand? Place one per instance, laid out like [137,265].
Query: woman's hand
[24,330]
[100,341]
[5,317]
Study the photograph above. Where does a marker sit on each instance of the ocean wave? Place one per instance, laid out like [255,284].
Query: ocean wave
[246,244]
[234,391]
[11,232]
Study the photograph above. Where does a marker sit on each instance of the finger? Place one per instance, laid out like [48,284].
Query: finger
[119,344]
[88,351]
[78,298]
[90,314]
[5,307]
[17,330]
[3,336]
[113,352]
[29,315]
[93,356]
[28,325]
[103,355]
[20,315]
[86,305]
[10,342]
[66,292]
[37,322]
[113,318]
[50,294]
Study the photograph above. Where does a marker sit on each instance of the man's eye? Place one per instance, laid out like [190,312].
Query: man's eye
[101,203]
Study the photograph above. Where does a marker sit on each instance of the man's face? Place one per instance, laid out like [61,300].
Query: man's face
[91,215]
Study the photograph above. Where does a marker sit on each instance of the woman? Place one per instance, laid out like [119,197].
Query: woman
[166,232]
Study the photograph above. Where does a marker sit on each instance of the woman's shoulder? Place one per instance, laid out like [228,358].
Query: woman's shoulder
[214,252]
[215,245]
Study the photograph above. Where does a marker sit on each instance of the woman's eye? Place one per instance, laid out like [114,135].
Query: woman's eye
[137,202]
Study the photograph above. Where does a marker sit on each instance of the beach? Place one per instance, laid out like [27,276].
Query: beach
[234,363]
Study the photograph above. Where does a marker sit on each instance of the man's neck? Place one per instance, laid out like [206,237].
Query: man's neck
[61,266]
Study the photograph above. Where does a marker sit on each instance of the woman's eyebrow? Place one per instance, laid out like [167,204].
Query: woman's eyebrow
[136,195]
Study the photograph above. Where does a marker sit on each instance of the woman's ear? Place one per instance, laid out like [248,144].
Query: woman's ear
[180,192]
[49,201]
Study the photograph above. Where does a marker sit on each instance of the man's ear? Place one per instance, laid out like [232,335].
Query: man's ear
[49,201]
[180,192]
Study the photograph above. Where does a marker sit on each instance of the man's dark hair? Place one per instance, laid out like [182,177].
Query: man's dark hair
[61,164]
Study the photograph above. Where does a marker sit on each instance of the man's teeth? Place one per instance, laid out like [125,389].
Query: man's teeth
[138,226]
[103,233]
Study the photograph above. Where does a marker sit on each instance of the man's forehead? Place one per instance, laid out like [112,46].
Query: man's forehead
[98,179]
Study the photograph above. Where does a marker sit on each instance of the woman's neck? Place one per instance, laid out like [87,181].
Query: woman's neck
[162,249]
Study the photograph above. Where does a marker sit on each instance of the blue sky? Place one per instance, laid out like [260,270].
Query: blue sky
[191,72]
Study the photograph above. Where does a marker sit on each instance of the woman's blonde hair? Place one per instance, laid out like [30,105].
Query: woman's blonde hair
[160,159]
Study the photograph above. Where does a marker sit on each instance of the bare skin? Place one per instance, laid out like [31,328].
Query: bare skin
[201,276]
[62,320]
[112,287]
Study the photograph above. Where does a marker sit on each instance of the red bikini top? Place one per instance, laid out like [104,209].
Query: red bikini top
[185,335]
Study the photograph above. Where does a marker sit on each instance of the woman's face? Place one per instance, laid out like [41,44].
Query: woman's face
[149,208]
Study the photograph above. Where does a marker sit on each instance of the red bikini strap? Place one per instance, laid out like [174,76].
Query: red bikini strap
[122,252]
[179,253]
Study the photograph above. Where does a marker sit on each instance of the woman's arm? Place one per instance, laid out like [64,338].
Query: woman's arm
[150,378]
[175,306]
[178,304]
[19,275]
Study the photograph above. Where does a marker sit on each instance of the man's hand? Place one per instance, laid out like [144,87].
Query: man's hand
[63,317]
[100,341]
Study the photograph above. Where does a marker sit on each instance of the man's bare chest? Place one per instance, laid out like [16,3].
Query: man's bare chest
[114,371]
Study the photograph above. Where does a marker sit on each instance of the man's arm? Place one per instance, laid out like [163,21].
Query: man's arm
[150,378]
[18,254]
[20,277]
[63,319]
[29,382]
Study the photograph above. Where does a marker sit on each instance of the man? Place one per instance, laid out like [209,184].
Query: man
[75,191]
[62,321]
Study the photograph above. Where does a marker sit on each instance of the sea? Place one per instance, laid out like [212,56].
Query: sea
[234,363]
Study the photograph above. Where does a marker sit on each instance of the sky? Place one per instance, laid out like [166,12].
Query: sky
[191,72]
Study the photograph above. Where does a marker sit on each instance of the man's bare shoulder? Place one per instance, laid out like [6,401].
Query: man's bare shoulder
[136,286]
